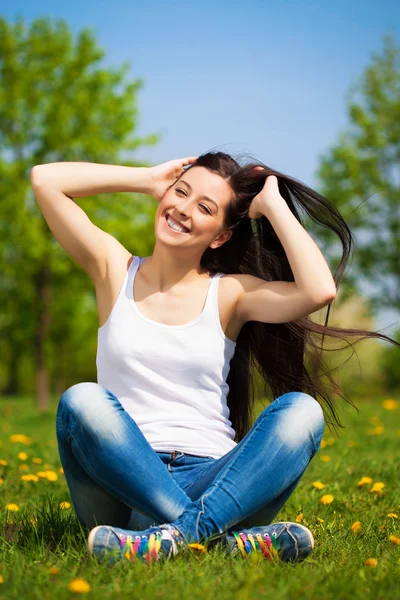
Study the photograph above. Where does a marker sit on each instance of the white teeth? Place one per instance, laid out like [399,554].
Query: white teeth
[173,225]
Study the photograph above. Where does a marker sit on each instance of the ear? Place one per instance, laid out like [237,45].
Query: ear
[221,239]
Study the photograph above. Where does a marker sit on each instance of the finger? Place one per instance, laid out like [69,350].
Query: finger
[189,160]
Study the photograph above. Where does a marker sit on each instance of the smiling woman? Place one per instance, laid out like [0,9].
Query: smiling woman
[160,452]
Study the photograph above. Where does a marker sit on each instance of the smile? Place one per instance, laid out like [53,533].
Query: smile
[174,225]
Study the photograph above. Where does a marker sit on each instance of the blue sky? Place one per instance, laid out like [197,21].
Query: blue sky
[265,78]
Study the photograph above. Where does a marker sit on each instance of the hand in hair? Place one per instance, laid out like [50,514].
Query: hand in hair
[267,197]
[163,176]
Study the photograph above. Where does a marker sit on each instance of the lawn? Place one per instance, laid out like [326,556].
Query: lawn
[357,531]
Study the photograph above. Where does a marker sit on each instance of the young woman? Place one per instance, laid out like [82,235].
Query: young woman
[160,454]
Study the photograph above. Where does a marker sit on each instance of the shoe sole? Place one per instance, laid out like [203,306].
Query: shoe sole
[91,538]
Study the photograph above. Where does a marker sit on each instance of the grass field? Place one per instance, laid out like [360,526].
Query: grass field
[43,548]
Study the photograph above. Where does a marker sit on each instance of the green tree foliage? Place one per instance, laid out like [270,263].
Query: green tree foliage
[360,174]
[57,103]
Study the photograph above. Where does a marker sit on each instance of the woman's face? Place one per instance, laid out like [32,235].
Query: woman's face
[197,203]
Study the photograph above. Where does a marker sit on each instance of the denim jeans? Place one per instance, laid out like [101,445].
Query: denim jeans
[116,478]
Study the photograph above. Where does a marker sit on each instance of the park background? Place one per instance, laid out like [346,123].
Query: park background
[311,89]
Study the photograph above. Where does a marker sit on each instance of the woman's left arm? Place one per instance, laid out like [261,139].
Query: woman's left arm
[310,270]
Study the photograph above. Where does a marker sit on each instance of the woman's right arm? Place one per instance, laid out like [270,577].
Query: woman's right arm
[54,186]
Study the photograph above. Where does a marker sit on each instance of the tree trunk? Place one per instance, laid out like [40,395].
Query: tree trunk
[12,386]
[43,295]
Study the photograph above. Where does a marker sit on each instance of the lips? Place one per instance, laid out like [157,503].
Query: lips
[168,216]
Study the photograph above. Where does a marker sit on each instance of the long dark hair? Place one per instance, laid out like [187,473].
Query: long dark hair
[274,353]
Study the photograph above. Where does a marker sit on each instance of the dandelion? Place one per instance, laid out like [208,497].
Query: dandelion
[3,462]
[364,480]
[22,455]
[371,562]
[378,430]
[375,420]
[33,520]
[330,441]
[13,507]
[1,579]
[23,467]
[54,570]
[393,515]
[65,505]
[1,481]
[51,475]
[323,444]
[61,470]
[320,520]
[327,499]
[377,487]
[198,547]
[394,539]
[37,461]
[390,404]
[42,474]
[356,526]
[21,438]
[299,518]
[325,458]
[318,484]
[79,585]
[29,478]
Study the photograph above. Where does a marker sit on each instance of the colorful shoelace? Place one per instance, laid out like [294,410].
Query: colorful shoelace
[147,548]
[247,544]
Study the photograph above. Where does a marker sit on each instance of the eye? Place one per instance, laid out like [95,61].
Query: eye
[204,206]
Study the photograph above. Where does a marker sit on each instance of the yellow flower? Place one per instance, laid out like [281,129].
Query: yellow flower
[12,507]
[29,478]
[393,515]
[320,520]
[327,499]
[299,518]
[375,420]
[1,579]
[23,467]
[79,585]
[356,526]
[318,484]
[51,475]
[364,480]
[325,458]
[54,570]
[322,444]
[65,505]
[199,547]
[376,430]
[1,481]
[394,539]
[371,562]
[3,462]
[390,404]
[42,474]
[22,455]
[37,460]
[34,520]
[61,470]
[330,441]
[377,487]
[21,438]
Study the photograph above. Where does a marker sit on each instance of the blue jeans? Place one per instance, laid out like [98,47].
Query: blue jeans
[116,478]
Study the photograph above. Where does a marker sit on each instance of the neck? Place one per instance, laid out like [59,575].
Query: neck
[168,267]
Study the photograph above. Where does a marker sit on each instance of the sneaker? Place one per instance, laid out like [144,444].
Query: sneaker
[150,545]
[284,541]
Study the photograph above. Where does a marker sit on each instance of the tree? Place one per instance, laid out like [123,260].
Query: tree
[57,104]
[360,174]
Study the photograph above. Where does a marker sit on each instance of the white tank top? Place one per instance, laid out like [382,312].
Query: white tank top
[170,378]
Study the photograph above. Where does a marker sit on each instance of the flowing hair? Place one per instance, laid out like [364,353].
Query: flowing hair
[274,352]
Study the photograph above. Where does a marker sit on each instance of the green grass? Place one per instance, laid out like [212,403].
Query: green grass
[335,569]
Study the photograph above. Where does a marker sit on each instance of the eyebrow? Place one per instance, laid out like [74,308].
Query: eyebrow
[205,197]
